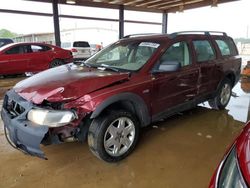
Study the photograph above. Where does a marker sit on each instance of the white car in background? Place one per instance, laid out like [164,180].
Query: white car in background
[81,50]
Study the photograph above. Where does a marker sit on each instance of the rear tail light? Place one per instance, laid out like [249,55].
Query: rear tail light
[73,50]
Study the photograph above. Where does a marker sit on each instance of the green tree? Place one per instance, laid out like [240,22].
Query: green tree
[7,34]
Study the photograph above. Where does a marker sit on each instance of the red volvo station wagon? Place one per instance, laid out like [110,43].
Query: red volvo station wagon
[128,85]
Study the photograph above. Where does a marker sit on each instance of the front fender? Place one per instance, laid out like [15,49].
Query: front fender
[141,108]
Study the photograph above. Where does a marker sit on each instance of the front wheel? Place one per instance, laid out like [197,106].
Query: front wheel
[113,136]
[223,97]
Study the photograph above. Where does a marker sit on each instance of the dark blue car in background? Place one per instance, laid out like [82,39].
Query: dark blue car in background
[4,41]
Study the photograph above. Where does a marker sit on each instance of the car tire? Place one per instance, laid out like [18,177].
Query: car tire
[223,96]
[113,136]
[56,63]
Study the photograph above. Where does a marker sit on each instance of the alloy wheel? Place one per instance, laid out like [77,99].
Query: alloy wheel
[119,136]
[225,94]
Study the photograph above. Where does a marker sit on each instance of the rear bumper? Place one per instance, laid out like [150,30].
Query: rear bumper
[21,133]
[81,56]
[79,61]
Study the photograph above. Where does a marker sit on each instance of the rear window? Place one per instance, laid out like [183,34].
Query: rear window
[223,46]
[81,44]
[232,47]
[204,50]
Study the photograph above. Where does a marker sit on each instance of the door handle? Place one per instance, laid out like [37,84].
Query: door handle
[182,85]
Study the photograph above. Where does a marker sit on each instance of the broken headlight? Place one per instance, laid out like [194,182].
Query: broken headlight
[51,118]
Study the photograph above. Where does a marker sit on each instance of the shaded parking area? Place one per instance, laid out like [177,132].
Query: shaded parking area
[181,151]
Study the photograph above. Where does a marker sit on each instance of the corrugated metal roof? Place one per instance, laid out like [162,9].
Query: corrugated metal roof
[147,5]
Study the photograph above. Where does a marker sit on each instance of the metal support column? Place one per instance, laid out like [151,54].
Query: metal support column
[164,23]
[56,22]
[121,21]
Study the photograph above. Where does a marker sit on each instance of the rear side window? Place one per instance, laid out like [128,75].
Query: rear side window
[204,50]
[39,48]
[81,44]
[223,46]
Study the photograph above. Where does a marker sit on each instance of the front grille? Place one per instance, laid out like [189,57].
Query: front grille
[12,107]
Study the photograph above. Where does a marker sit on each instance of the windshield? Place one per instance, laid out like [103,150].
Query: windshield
[124,55]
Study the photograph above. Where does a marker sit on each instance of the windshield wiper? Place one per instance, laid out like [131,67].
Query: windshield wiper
[105,66]
[102,66]
[86,64]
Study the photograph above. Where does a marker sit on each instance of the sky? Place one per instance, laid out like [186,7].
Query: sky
[232,18]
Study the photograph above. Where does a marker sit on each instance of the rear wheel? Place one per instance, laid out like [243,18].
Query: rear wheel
[56,63]
[223,96]
[113,136]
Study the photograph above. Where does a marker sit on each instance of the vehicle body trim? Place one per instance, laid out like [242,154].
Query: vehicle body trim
[182,107]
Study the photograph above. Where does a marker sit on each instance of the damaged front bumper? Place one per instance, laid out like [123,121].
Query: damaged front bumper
[21,133]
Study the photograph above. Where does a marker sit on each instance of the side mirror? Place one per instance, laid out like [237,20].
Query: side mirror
[169,66]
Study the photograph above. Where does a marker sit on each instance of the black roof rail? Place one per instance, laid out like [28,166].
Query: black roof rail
[172,35]
[140,34]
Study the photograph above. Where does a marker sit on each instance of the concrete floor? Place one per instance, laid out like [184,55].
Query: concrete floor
[182,151]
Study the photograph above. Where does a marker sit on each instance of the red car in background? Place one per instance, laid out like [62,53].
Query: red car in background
[234,170]
[18,58]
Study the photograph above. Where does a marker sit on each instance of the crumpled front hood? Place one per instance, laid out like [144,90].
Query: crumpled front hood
[64,83]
